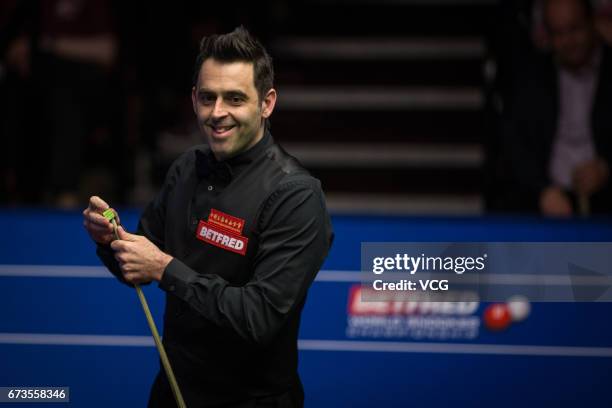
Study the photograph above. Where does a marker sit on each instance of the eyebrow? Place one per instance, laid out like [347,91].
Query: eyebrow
[232,93]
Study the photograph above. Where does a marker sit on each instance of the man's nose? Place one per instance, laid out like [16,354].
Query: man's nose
[219,109]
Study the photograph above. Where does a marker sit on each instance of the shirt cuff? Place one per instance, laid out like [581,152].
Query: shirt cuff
[176,278]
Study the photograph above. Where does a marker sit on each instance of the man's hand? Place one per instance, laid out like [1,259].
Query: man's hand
[591,176]
[555,203]
[139,259]
[99,228]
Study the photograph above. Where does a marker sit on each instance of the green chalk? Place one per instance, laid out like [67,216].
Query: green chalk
[109,214]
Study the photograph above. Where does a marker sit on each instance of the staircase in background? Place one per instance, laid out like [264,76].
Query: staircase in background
[384,102]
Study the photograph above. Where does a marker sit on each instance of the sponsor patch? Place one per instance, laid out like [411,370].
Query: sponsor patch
[223,231]
[221,238]
[226,221]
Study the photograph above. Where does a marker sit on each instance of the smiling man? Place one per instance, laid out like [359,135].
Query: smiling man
[235,238]
[230,110]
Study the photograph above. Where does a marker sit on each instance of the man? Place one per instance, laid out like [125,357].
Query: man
[235,237]
[558,128]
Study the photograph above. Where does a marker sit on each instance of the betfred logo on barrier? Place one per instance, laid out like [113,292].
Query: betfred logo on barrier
[419,319]
[422,304]
[221,237]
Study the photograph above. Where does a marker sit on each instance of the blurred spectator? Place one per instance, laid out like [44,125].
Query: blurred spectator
[78,47]
[57,102]
[91,90]
[603,20]
[557,125]
[15,99]
[602,15]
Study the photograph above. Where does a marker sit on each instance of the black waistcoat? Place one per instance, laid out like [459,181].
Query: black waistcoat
[195,344]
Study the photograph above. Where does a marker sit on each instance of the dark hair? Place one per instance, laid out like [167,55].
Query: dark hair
[239,45]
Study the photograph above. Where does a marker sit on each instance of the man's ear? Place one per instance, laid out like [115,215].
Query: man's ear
[194,100]
[268,103]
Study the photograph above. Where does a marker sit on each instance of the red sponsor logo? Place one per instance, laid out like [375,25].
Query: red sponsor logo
[226,221]
[421,304]
[221,237]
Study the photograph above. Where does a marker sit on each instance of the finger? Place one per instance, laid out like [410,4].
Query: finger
[128,276]
[122,258]
[97,204]
[99,220]
[97,229]
[119,246]
[126,236]
[132,276]
[136,278]
[128,268]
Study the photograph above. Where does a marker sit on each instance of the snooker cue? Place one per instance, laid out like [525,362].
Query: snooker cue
[110,215]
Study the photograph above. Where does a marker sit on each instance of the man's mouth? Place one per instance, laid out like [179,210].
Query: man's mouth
[221,131]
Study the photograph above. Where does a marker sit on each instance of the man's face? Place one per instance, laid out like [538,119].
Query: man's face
[571,32]
[229,111]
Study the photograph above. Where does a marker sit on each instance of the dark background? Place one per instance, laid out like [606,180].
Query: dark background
[394,105]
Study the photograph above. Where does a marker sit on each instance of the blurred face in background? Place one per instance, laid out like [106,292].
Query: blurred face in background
[571,31]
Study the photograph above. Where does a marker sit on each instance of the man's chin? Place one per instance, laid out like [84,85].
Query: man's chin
[220,148]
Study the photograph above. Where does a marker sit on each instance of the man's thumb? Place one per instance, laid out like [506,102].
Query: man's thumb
[124,235]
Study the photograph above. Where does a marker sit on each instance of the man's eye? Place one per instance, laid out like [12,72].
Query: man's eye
[207,99]
[236,100]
